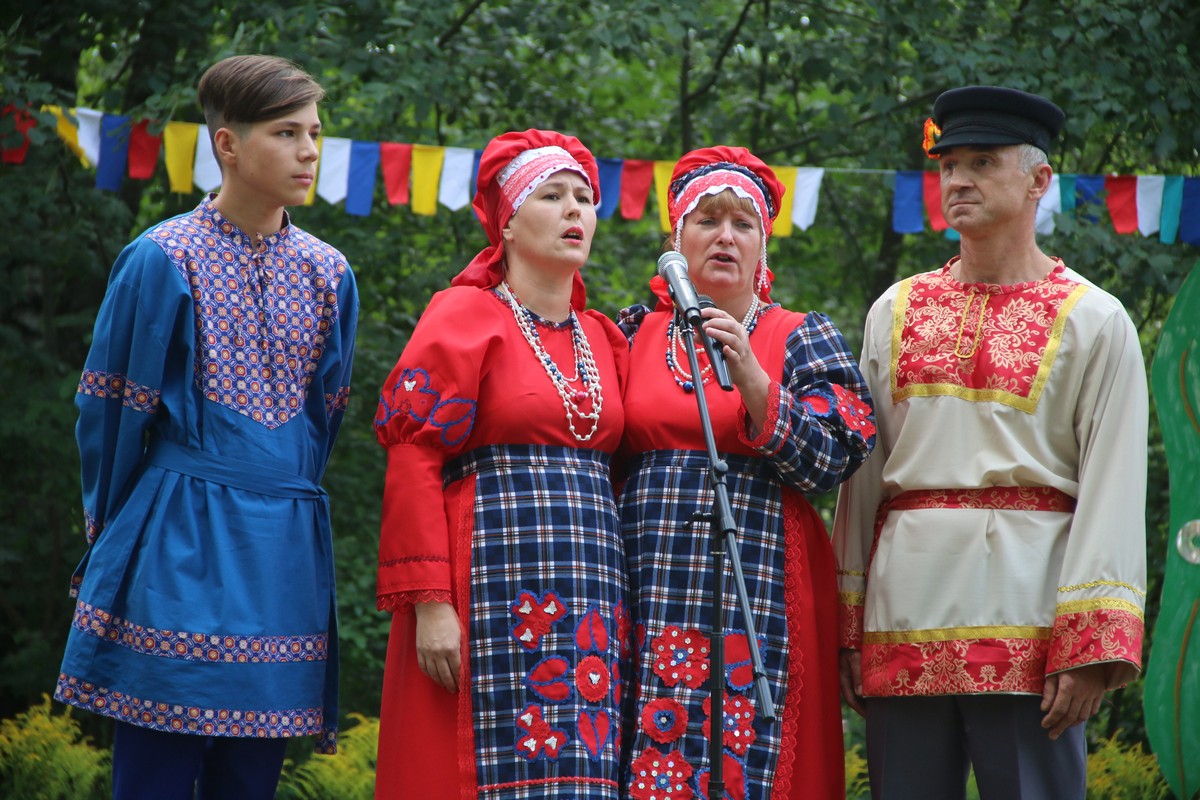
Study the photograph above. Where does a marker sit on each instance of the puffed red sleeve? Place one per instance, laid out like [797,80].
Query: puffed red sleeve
[425,417]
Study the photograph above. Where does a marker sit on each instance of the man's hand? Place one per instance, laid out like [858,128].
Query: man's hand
[439,643]
[850,677]
[1072,696]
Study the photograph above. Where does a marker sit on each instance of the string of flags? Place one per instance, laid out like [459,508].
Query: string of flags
[425,177]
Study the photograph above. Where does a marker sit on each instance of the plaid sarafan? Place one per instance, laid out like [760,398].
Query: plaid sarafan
[547,618]
[671,575]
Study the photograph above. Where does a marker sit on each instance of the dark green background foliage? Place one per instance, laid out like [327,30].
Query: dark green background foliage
[840,84]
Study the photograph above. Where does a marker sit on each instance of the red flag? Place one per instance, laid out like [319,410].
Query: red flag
[931,189]
[143,151]
[22,121]
[1121,191]
[396,161]
[636,178]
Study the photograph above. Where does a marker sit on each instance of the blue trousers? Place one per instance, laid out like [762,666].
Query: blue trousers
[153,765]
[923,748]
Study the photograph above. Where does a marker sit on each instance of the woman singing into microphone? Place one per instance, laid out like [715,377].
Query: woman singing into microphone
[799,420]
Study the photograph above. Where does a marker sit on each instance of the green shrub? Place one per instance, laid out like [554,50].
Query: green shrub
[44,756]
[349,775]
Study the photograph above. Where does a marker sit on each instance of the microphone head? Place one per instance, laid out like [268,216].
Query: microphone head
[671,257]
[705,301]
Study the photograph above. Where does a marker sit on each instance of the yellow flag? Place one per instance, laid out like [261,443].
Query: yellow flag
[312,187]
[662,183]
[426,176]
[179,151]
[783,220]
[68,131]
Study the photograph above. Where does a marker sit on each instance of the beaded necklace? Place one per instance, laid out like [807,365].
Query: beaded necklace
[585,366]
[675,346]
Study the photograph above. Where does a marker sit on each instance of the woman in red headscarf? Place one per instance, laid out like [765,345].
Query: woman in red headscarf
[798,419]
[500,554]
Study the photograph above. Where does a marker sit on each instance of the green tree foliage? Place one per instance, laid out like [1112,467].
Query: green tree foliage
[44,756]
[843,84]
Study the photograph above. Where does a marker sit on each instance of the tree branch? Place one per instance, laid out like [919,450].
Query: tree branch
[725,48]
[459,23]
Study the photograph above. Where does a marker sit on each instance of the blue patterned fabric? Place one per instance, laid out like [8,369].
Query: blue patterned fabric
[206,596]
[672,572]
[545,535]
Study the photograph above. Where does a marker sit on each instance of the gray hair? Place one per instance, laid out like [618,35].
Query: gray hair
[1030,156]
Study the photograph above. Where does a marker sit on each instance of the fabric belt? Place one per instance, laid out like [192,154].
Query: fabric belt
[221,469]
[1018,498]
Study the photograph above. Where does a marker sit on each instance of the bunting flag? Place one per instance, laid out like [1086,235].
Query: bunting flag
[14,151]
[1048,207]
[206,172]
[907,202]
[1189,218]
[1121,197]
[808,187]
[333,169]
[114,152]
[426,168]
[426,176]
[931,192]
[610,186]
[396,161]
[454,188]
[364,163]
[783,221]
[636,178]
[89,134]
[143,151]
[68,131]
[1172,211]
[311,197]
[179,151]
[1149,203]
[662,187]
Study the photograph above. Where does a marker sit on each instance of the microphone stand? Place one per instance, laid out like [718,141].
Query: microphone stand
[724,543]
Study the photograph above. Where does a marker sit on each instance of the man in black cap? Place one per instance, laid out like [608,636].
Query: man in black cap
[992,549]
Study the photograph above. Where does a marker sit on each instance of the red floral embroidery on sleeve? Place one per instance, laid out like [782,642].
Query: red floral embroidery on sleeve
[854,412]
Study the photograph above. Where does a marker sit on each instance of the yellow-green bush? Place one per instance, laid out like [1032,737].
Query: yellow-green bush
[1124,772]
[858,787]
[44,756]
[350,775]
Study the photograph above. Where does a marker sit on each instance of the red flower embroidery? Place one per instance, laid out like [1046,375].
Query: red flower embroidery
[616,683]
[739,666]
[535,617]
[661,777]
[734,775]
[536,740]
[738,725]
[664,720]
[548,679]
[592,678]
[854,412]
[681,656]
[591,634]
[594,730]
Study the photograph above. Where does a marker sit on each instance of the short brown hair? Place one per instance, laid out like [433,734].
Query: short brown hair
[242,90]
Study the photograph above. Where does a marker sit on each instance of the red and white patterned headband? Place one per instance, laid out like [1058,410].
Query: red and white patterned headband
[529,169]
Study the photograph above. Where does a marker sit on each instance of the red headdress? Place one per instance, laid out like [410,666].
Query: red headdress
[511,167]
[712,170]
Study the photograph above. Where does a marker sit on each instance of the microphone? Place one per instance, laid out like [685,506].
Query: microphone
[673,268]
[716,352]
